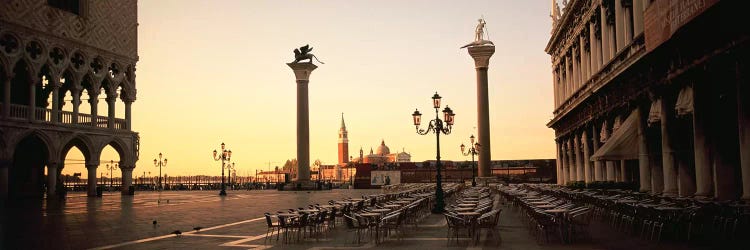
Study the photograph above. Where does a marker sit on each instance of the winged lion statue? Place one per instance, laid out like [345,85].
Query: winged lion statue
[303,53]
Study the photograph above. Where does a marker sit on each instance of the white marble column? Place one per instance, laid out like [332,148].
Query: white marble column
[51,179]
[593,49]
[703,171]
[302,73]
[611,175]
[576,72]
[586,157]
[582,55]
[127,179]
[598,168]
[579,157]
[569,81]
[91,167]
[571,161]
[743,124]
[644,169]
[481,56]
[638,9]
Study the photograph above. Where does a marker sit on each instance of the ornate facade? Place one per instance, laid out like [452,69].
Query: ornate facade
[637,99]
[86,49]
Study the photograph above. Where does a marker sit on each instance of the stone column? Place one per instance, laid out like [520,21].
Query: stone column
[571,161]
[55,99]
[91,167]
[618,174]
[667,151]
[576,71]
[5,164]
[743,124]
[611,175]
[127,179]
[6,96]
[555,88]
[619,26]
[32,99]
[627,25]
[579,158]
[638,9]
[570,85]
[51,179]
[624,171]
[302,73]
[76,102]
[586,157]
[481,55]
[703,170]
[94,102]
[644,169]
[558,163]
[605,36]
[111,111]
[128,115]
[565,166]
[594,50]
[583,66]
[598,170]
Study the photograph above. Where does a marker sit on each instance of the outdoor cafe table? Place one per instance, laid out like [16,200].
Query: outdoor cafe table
[309,210]
[559,214]
[392,206]
[326,206]
[545,206]
[539,202]
[464,209]
[380,210]
[471,217]
[374,217]
[467,205]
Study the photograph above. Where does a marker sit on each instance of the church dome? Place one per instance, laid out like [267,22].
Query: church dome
[383,149]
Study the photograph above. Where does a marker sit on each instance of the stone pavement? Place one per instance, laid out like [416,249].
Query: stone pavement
[234,221]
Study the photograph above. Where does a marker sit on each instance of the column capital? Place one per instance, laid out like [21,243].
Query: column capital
[90,165]
[126,168]
[481,55]
[302,71]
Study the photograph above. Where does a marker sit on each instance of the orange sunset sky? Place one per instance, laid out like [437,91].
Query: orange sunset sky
[214,71]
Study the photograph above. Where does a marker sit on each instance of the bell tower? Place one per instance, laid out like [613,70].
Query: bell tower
[343,143]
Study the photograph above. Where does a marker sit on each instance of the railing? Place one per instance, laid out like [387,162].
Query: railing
[21,112]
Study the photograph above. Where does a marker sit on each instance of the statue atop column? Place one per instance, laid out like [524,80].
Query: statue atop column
[479,35]
[303,53]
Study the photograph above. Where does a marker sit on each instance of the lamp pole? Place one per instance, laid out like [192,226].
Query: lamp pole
[225,156]
[438,127]
[230,170]
[110,167]
[160,163]
[474,150]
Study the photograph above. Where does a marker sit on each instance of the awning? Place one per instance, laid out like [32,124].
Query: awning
[622,144]
[684,105]
[654,113]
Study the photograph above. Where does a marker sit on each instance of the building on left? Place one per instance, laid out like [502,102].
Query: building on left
[55,54]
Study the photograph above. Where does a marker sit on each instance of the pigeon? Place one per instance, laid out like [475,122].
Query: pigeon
[177,232]
[197,228]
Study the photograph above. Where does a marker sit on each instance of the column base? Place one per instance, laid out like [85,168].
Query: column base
[483,181]
[703,196]
[669,194]
[303,186]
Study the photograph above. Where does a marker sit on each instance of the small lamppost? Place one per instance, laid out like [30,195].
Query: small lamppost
[438,127]
[160,163]
[230,170]
[110,167]
[225,156]
[474,150]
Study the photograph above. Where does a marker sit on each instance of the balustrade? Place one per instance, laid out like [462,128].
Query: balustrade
[66,117]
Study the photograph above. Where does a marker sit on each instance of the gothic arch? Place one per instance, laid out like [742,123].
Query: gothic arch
[80,141]
[48,141]
[121,147]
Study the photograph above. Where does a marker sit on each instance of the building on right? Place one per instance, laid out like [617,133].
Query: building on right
[655,93]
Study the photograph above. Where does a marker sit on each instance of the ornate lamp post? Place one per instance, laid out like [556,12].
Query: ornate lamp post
[110,167]
[225,156]
[474,150]
[160,163]
[230,170]
[436,126]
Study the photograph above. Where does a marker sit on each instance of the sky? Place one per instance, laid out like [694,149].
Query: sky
[214,71]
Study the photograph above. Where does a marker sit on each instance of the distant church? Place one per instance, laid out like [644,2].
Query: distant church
[381,156]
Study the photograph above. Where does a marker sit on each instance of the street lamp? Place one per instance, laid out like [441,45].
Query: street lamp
[474,150]
[160,163]
[230,169]
[225,156]
[438,127]
[111,167]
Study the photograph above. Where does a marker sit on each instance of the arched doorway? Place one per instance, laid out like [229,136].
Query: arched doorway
[74,175]
[26,174]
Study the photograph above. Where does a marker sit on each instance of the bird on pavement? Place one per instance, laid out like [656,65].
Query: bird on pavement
[197,228]
[177,232]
